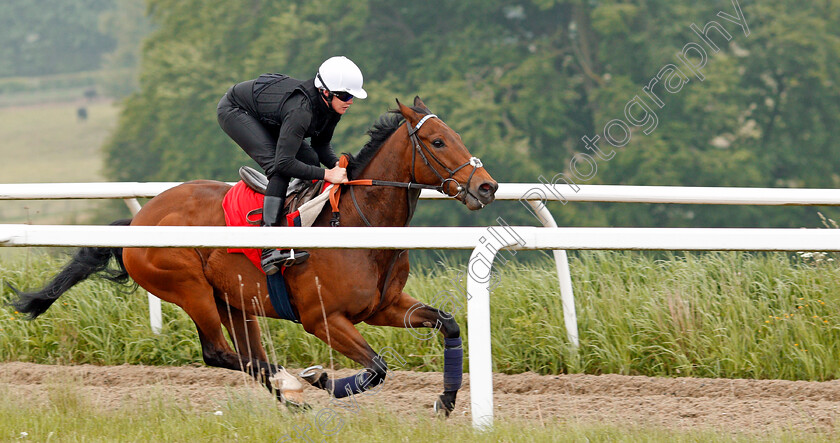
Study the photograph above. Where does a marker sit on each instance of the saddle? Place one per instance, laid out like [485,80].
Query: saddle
[243,204]
[299,192]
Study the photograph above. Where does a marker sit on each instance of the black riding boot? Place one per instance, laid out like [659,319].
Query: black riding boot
[272,259]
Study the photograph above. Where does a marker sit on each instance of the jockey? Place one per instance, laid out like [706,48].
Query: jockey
[269,118]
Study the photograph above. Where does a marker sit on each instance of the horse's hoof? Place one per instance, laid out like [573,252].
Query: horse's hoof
[440,408]
[296,408]
[288,388]
[292,396]
[316,376]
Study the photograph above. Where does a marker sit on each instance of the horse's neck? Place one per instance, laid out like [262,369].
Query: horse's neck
[387,205]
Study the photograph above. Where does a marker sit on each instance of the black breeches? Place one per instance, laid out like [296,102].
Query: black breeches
[260,143]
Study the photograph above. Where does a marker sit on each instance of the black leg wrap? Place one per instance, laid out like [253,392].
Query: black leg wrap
[364,380]
[453,370]
[453,364]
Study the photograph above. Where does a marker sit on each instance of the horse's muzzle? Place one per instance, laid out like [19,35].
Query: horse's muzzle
[481,195]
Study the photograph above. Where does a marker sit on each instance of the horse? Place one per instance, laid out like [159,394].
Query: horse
[332,291]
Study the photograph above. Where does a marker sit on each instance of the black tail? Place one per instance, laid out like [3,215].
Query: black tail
[86,262]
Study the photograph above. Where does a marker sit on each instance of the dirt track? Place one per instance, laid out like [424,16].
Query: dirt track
[732,405]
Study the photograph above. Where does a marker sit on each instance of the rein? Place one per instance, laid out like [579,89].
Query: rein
[335,193]
[419,148]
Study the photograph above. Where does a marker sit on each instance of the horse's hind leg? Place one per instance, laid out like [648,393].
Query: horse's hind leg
[214,347]
[167,273]
[407,312]
[251,357]
[243,329]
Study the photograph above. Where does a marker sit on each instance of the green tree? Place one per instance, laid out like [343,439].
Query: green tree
[127,24]
[522,82]
[41,37]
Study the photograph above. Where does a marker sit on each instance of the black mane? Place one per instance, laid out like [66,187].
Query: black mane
[384,126]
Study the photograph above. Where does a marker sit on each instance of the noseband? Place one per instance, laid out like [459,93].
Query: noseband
[423,150]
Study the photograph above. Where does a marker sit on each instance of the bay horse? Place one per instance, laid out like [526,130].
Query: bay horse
[332,291]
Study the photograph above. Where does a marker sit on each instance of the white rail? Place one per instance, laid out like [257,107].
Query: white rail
[506,191]
[131,191]
[689,239]
[535,194]
[478,294]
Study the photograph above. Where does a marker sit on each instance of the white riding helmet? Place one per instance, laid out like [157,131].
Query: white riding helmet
[340,75]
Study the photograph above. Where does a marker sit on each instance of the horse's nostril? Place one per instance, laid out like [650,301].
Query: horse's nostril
[487,189]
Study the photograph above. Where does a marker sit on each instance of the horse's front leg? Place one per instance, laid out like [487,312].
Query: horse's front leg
[407,312]
[340,334]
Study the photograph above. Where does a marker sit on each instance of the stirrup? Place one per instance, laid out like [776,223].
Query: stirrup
[295,259]
[272,259]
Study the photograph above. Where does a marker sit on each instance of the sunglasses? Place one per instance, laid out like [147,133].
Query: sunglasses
[343,96]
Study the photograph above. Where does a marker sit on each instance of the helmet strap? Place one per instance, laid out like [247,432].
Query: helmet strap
[324,87]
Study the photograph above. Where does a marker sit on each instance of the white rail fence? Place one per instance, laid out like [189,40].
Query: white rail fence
[478,305]
[478,293]
[131,191]
[506,191]
[535,195]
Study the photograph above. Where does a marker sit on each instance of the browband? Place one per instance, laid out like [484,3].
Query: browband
[423,120]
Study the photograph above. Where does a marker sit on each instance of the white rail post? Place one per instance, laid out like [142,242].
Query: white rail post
[133,205]
[155,313]
[480,356]
[564,277]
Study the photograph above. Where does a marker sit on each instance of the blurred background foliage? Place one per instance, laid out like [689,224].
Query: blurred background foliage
[522,81]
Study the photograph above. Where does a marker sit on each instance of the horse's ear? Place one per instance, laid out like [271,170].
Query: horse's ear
[419,103]
[408,113]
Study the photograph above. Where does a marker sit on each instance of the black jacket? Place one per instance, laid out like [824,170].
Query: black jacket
[294,110]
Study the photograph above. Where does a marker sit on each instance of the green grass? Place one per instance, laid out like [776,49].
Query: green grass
[67,95]
[734,315]
[67,417]
[45,143]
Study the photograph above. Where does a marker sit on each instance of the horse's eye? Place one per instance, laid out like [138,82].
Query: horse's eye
[438,143]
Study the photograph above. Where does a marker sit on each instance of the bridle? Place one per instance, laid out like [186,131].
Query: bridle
[418,147]
[423,150]
[412,188]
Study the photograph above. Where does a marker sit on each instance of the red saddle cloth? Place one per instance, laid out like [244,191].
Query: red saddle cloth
[238,202]
[241,200]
